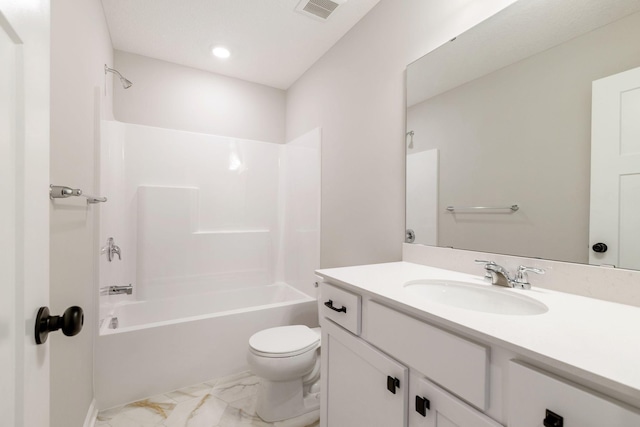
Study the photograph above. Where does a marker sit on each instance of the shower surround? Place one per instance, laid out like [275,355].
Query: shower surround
[219,237]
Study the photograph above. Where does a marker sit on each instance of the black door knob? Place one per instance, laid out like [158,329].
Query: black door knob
[599,247]
[70,322]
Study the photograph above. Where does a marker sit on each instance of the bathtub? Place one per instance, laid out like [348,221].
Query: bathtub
[165,344]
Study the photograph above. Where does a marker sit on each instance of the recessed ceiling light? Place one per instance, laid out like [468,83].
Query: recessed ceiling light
[221,52]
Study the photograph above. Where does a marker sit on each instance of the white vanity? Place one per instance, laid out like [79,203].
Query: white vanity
[393,357]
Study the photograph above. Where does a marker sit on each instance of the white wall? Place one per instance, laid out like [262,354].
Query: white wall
[355,92]
[80,46]
[177,97]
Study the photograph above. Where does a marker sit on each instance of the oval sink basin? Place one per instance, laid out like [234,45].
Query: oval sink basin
[488,299]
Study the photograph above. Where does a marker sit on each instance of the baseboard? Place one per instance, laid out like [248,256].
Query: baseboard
[92,415]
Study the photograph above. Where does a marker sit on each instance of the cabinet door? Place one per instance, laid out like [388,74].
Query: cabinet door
[431,406]
[356,383]
[533,393]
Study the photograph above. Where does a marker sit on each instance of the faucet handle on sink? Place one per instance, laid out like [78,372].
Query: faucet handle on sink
[522,277]
[487,275]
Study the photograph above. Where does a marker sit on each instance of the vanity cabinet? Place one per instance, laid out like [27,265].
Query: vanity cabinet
[362,386]
[367,382]
[383,367]
[431,406]
[445,358]
[537,396]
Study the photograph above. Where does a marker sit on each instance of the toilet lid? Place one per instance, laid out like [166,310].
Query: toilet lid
[284,340]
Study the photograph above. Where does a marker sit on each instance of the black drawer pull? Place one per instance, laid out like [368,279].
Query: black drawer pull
[392,384]
[422,405]
[342,309]
[553,420]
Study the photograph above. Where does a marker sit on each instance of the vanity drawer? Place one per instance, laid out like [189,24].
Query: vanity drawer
[459,365]
[340,306]
[534,392]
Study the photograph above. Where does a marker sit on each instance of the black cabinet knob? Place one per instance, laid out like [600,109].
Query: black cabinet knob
[422,405]
[70,322]
[392,384]
[552,419]
[599,247]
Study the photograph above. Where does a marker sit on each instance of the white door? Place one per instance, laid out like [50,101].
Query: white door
[615,171]
[24,210]
[422,196]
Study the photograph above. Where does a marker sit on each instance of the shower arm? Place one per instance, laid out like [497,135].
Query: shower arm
[111,70]
[126,83]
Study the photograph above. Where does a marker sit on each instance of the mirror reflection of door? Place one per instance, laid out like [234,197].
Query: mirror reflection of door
[422,195]
[615,171]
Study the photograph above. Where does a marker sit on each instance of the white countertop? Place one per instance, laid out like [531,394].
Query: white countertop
[593,339]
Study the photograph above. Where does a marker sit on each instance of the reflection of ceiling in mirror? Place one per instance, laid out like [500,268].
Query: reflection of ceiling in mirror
[519,31]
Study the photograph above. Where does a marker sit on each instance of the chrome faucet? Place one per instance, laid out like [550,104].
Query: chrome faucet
[111,249]
[117,290]
[500,276]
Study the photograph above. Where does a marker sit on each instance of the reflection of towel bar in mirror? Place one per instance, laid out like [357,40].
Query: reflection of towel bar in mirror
[512,208]
[62,192]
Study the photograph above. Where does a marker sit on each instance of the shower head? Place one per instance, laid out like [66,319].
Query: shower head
[125,82]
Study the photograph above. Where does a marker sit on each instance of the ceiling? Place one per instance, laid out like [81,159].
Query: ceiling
[270,42]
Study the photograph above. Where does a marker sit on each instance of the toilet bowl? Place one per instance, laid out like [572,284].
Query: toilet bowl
[287,361]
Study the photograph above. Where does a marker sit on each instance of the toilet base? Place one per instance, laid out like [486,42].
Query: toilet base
[281,400]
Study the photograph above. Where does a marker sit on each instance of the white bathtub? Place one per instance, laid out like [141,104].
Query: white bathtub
[166,344]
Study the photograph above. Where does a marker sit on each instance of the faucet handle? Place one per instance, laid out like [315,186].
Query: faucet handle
[115,250]
[111,249]
[487,274]
[522,277]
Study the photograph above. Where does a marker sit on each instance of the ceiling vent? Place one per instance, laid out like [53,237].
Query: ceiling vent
[318,9]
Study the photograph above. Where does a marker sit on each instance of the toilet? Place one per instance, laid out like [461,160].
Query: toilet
[287,361]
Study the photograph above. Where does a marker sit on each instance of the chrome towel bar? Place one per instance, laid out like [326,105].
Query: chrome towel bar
[512,208]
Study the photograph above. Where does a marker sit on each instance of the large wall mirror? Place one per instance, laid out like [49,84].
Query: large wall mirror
[500,152]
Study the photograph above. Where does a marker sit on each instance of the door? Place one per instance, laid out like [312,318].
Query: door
[24,210]
[615,171]
[422,196]
[363,387]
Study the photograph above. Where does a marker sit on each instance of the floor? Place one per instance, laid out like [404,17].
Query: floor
[228,402]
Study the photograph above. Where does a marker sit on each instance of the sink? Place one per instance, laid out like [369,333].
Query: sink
[469,296]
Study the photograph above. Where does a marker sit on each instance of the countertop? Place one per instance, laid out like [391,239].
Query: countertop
[590,338]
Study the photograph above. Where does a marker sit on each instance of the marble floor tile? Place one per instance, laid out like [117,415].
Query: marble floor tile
[239,389]
[205,411]
[227,402]
[189,393]
[234,417]
[147,412]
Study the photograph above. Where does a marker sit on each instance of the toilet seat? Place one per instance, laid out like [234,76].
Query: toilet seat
[284,341]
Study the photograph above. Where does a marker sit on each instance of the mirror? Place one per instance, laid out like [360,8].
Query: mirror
[500,118]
